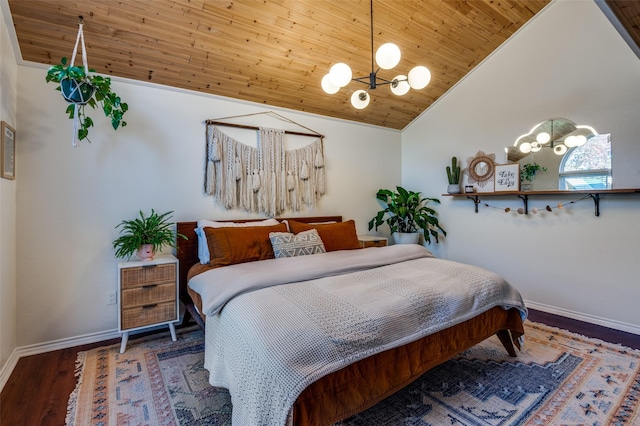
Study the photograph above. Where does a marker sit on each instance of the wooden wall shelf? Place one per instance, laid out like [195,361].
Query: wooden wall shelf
[524,195]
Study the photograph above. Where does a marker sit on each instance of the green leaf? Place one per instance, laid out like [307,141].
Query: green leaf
[107,108]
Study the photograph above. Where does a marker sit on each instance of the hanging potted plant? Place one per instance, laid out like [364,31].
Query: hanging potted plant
[407,215]
[80,88]
[145,235]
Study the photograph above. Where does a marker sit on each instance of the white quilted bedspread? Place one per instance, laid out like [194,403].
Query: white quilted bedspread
[267,342]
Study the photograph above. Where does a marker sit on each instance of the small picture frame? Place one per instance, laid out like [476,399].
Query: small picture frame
[8,152]
[507,177]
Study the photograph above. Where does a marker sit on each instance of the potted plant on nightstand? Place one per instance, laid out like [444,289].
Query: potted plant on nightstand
[453,174]
[528,174]
[145,235]
[407,213]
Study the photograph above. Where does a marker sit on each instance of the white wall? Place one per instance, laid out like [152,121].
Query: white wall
[70,199]
[567,62]
[8,83]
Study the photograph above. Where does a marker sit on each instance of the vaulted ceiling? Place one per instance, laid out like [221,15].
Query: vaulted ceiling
[275,52]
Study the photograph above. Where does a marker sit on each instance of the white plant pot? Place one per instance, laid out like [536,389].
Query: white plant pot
[145,252]
[453,188]
[406,237]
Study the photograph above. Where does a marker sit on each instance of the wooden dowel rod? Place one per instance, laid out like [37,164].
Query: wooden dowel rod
[242,126]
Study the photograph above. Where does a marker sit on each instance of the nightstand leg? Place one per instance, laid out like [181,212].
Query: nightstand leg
[172,328]
[123,344]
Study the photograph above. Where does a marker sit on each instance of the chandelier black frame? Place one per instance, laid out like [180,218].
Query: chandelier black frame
[387,57]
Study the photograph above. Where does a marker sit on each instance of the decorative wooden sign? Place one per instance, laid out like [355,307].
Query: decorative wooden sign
[507,177]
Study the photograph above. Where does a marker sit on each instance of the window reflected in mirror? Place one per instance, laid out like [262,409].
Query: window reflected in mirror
[572,157]
[588,166]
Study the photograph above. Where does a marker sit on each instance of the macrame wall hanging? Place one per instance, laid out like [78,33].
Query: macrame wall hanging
[268,179]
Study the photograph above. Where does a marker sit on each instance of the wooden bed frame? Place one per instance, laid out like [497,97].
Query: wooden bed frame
[363,384]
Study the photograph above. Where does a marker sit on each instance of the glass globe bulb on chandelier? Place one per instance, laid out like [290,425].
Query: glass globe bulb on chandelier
[386,57]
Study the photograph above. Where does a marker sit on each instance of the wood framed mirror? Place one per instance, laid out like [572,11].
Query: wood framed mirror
[481,168]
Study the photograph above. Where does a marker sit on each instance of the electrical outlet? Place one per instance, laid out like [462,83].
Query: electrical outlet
[111,298]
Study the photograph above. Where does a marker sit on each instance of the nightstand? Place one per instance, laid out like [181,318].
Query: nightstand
[147,295]
[371,241]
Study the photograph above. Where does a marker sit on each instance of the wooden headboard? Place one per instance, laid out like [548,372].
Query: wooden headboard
[187,251]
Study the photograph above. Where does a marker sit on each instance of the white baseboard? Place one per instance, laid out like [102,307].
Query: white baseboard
[69,342]
[7,368]
[616,325]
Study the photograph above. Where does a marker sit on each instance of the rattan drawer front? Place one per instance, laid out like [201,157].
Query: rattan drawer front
[148,315]
[371,241]
[152,293]
[132,277]
[377,243]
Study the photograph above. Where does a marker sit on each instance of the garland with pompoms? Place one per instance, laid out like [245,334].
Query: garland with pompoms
[535,210]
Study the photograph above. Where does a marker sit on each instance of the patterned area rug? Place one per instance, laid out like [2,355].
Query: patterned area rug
[560,378]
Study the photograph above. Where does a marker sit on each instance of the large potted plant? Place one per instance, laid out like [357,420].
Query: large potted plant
[145,235]
[81,88]
[407,213]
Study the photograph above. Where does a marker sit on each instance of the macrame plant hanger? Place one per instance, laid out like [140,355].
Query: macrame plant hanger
[266,179]
[76,90]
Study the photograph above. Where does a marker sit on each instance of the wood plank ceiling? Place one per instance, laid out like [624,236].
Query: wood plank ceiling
[275,52]
[628,12]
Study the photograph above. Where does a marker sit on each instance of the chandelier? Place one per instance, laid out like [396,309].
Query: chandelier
[387,57]
[559,134]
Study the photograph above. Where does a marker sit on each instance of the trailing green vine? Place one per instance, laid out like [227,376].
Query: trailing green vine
[102,95]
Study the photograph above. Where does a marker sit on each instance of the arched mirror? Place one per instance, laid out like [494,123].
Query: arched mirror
[570,156]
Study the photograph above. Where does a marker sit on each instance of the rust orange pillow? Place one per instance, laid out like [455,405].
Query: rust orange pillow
[335,236]
[228,246]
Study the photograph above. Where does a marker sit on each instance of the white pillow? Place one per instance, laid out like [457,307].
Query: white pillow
[286,244]
[203,248]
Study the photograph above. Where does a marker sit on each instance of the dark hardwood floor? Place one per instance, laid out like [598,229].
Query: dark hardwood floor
[586,329]
[39,387]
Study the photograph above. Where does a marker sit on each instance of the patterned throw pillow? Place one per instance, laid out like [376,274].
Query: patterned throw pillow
[286,244]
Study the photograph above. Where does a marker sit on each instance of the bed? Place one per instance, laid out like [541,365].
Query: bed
[357,381]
